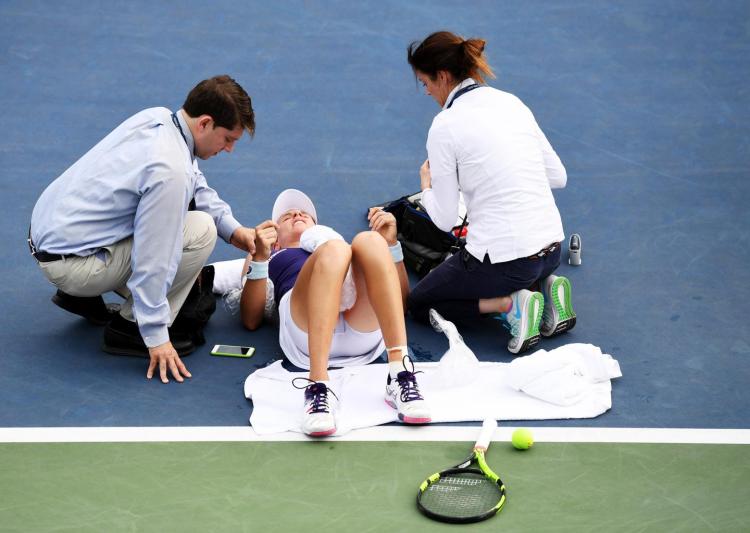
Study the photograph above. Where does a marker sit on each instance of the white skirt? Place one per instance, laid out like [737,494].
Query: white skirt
[349,347]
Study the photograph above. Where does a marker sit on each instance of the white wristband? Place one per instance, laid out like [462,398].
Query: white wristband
[258,270]
[397,252]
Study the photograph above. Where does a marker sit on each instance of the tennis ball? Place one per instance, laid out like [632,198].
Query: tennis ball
[522,439]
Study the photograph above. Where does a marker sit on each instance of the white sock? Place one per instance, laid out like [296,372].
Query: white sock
[394,367]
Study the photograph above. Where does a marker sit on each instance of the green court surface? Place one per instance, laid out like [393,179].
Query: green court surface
[365,486]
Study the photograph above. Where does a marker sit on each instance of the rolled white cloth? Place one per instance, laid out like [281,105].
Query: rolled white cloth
[318,234]
[227,275]
[565,377]
[228,282]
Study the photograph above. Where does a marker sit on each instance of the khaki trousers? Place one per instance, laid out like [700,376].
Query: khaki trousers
[110,270]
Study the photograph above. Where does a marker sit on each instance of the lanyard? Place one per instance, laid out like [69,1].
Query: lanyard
[191,206]
[177,123]
[463,91]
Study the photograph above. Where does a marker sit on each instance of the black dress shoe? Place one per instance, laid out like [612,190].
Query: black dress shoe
[92,308]
[197,308]
[122,337]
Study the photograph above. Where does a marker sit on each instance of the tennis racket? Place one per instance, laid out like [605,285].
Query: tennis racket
[464,493]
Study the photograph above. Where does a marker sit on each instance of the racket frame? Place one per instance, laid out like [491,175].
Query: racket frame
[477,457]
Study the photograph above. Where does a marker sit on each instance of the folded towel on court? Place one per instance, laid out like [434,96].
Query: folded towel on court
[572,381]
[563,376]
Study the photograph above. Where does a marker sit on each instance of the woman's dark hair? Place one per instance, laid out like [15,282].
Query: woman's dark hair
[224,100]
[444,50]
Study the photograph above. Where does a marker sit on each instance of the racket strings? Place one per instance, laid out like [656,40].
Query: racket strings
[461,495]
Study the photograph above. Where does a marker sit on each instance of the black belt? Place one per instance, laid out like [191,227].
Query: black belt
[466,256]
[44,257]
[544,251]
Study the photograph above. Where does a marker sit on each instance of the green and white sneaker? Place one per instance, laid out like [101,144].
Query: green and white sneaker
[523,320]
[558,316]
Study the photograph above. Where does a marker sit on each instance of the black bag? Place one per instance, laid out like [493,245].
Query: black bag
[425,245]
[199,305]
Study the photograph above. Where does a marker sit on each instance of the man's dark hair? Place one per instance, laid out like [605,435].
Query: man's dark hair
[224,100]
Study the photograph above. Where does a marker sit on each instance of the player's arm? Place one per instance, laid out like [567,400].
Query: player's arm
[440,199]
[403,280]
[385,223]
[253,299]
[553,167]
[157,249]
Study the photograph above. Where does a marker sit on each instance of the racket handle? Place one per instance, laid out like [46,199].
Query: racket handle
[485,436]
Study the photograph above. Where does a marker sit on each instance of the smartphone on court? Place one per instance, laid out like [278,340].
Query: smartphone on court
[228,350]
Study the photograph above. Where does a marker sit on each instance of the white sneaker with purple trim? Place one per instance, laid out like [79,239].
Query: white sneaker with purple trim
[321,404]
[402,393]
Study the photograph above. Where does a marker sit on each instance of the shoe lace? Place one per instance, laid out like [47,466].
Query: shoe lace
[316,394]
[407,382]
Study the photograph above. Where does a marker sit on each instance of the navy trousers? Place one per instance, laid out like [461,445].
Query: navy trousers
[455,287]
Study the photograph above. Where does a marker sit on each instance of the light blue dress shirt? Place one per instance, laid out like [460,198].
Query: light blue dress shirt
[138,181]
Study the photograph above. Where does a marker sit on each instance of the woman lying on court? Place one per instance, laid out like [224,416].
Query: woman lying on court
[338,304]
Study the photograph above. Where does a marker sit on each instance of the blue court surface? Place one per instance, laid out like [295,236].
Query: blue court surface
[646,103]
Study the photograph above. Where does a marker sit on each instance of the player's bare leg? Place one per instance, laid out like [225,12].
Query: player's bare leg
[314,307]
[380,304]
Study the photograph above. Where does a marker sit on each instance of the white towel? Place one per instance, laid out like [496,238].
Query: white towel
[316,235]
[564,375]
[277,405]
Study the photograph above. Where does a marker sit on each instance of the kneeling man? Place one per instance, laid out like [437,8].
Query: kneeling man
[119,220]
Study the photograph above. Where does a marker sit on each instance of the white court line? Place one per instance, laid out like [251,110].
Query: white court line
[382,433]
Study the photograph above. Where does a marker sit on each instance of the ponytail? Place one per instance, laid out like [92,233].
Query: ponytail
[444,50]
[474,55]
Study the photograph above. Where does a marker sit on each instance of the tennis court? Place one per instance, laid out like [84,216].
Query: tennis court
[647,105]
[365,486]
